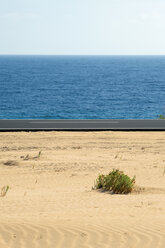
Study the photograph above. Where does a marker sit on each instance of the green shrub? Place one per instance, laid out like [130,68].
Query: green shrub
[161,117]
[4,190]
[116,182]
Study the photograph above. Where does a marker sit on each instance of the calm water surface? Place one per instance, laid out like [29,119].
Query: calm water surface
[82,87]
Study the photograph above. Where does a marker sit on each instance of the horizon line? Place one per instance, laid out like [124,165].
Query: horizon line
[33,54]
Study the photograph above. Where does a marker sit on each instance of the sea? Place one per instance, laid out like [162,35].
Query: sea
[82,87]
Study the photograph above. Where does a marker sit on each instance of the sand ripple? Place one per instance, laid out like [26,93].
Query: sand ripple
[73,235]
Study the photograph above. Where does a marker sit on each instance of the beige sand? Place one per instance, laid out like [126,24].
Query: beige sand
[51,203]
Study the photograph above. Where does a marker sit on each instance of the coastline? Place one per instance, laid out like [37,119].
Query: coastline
[51,200]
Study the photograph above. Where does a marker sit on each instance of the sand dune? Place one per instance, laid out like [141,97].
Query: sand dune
[96,233]
[50,202]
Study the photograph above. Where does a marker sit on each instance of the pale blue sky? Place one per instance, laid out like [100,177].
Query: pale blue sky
[93,27]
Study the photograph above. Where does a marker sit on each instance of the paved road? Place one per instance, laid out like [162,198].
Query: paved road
[76,125]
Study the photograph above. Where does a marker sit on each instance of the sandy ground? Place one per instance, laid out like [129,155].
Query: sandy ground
[50,202]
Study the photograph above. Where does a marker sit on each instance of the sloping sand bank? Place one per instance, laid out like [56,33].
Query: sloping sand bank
[51,203]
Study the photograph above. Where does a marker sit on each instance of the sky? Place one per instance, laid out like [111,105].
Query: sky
[82,27]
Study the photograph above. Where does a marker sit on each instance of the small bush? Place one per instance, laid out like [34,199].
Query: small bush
[4,190]
[162,117]
[116,182]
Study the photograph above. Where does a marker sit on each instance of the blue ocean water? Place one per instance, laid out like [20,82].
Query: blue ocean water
[82,87]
